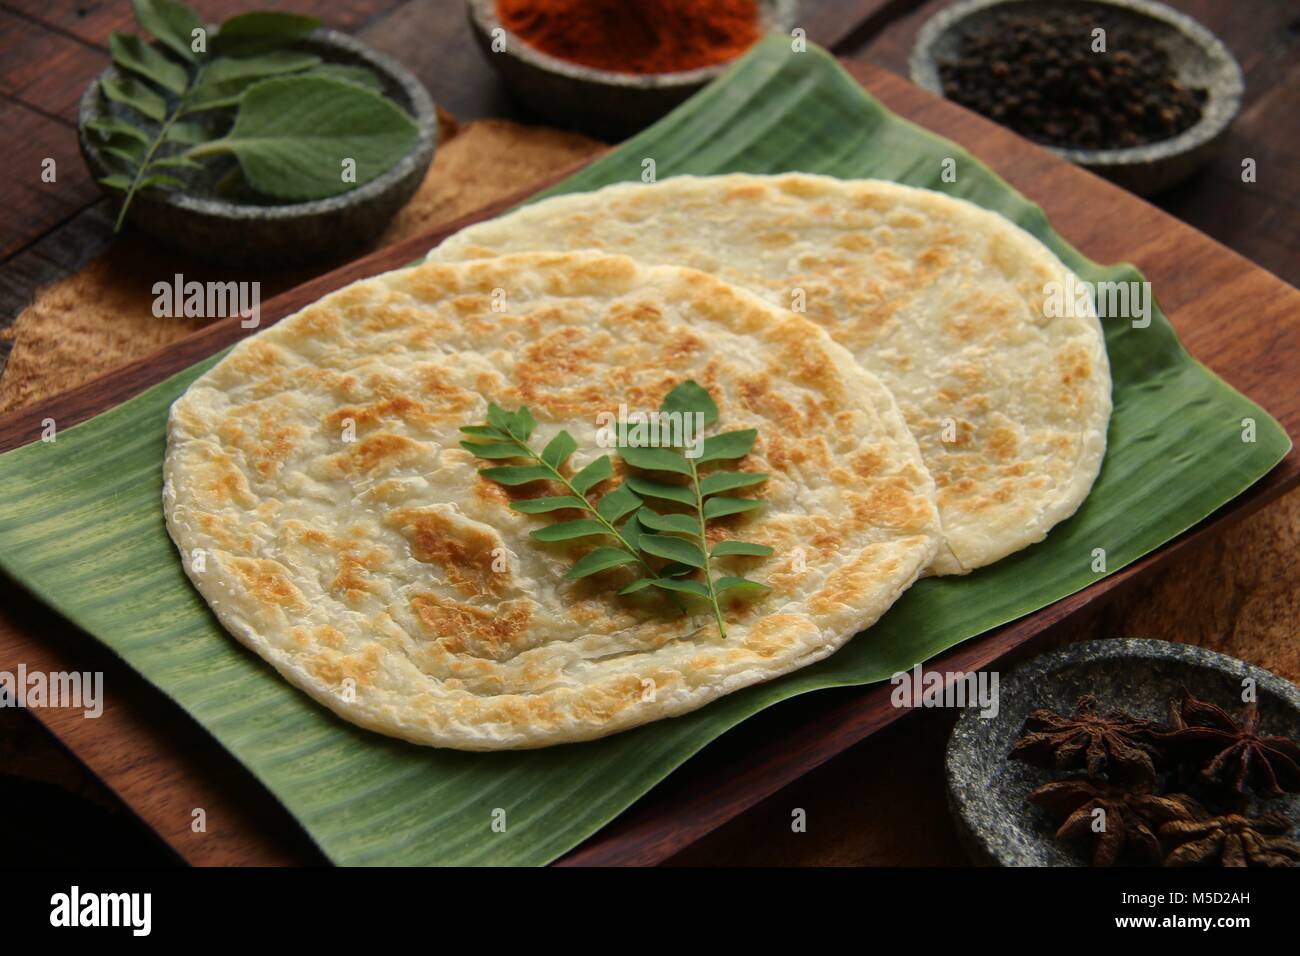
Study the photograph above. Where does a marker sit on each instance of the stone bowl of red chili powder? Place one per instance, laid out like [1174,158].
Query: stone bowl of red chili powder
[612,67]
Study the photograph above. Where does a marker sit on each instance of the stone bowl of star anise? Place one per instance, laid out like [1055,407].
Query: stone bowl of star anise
[1131,752]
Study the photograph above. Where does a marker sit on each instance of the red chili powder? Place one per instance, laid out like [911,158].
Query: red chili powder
[635,36]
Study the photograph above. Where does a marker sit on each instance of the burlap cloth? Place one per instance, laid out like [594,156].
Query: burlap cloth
[1239,595]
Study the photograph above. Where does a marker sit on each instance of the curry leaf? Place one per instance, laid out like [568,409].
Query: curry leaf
[151,181]
[129,152]
[601,559]
[226,68]
[109,127]
[491,449]
[728,445]
[728,583]
[729,481]
[690,398]
[657,489]
[131,92]
[295,136]
[742,548]
[640,584]
[499,418]
[558,450]
[171,22]
[266,24]
[349,74]
[516,474]
[618,503]
[593,474]
[132,53]
[654,459]
[537,506]
[685,585]
[680,524]
[175,162]
[674,549]
[721,507]
[567,530]
[187,134]
[484,431]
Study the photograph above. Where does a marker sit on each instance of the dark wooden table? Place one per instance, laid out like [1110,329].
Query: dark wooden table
[883,801]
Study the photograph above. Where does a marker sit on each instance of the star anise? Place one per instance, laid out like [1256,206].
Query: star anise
[1231,840]
[1128,822]
[1118,745]
[1232,752]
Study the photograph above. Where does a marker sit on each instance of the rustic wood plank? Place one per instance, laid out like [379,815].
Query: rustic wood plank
[245,824]
[1237,318]
[33,207]
[43,69]
[845,25]
[433,41]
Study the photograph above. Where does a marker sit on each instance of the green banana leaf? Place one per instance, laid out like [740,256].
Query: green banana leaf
[81,526]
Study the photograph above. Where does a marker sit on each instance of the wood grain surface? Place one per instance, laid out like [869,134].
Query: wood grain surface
[1238,319]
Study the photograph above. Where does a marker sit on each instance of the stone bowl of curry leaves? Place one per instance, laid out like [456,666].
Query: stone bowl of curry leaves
[266,141]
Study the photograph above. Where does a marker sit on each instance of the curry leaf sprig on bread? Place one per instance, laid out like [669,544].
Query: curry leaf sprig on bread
[680,536]
[506,436]
[677,539]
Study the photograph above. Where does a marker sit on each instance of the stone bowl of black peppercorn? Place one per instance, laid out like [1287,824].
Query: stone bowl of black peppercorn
[1129,89]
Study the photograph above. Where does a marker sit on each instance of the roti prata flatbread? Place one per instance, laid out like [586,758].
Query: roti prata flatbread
[944,301]
[323,506]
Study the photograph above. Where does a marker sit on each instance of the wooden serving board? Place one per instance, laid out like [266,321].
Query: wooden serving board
[1238,319]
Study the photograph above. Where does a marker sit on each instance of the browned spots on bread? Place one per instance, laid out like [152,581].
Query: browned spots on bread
[745,194]
[1002,443]
[368,416]
[222,534]
[330,636]
[353,581]
[859,575]
[888,503]
[867,464]
[383,449]
[771,635]
[268,582]
[493,633]
[464,551]
[224,482]
[1075,365]
[334,669]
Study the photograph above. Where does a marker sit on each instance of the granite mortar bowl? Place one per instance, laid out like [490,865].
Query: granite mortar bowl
[986,791]
[598,102]
[1199,58]
[248,232]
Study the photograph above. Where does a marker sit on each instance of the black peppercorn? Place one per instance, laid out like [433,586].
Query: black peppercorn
[1040,76]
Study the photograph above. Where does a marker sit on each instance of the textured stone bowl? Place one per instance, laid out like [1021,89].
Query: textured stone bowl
[250,233]
[1198,56]
[599,102]
[986,792]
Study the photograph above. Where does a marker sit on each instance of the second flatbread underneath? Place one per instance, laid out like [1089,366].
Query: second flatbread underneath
[942,300]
